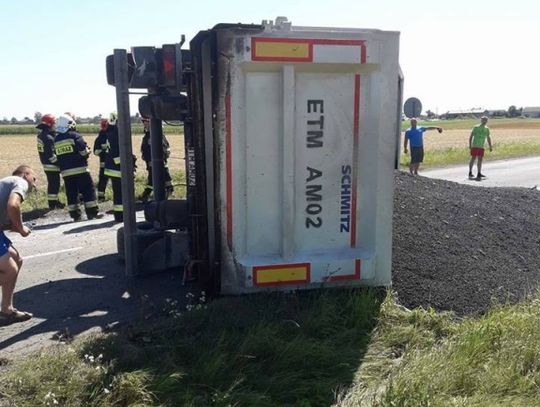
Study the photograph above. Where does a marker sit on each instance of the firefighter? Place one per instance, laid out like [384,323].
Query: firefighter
[100,149]
[45,146]
[146,153]
[112,167]
[72,153]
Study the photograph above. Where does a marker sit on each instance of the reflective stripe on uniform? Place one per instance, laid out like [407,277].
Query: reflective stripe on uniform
[118,208]
[116,160]
[50,168]
[53,159]
[149,187]
[74,171]
[101,194]
[73,207]
[52,197]
[112,173]
[101,165]
[97,151]
[90,204]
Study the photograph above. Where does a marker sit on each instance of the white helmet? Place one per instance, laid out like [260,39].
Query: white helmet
[65,123]
[113,118]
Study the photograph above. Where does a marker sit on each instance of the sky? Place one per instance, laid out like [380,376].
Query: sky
[456,54]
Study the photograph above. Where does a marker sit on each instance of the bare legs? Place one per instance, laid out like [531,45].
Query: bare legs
[480,159]
[10,265]
[471,164]
[413,168]
[479,165]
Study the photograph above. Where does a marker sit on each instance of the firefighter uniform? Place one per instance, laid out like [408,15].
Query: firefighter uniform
[45,147]
[72,153]
[146,153]
[100,149]
[112,170]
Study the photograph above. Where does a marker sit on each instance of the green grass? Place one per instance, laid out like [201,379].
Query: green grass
[491,361]
[136,128]
[454,155]
[295,349]
[467,124]
[312,349]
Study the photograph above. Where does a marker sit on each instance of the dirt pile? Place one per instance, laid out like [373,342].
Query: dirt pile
[459,247]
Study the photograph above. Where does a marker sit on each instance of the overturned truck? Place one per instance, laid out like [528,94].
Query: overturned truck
[290,136]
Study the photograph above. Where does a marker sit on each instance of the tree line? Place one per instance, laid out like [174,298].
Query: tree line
[512,111]
[80,120]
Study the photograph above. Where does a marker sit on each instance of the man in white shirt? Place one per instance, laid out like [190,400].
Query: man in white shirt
[13,191]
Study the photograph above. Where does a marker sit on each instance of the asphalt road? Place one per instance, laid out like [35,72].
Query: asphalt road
[74,283]
[523,172]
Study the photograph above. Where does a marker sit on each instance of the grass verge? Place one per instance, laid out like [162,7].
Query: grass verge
[438,362]
[296,349]
[341,348]
[455,156]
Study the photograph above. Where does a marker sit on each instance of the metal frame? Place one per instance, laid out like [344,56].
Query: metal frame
[126,158]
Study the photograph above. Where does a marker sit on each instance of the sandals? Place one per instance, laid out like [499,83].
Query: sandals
[14,317]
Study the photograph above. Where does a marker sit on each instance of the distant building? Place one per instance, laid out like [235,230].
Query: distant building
[464,113]
[496,113]
[531,111]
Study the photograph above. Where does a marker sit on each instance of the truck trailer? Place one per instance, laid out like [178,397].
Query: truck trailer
[290,137]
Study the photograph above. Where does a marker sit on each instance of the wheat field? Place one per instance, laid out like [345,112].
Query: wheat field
[460,138]
[22,149]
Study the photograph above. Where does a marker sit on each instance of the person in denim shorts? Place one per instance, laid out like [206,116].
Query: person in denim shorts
[13,191]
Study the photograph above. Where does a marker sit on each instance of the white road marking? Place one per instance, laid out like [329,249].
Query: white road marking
[51,253]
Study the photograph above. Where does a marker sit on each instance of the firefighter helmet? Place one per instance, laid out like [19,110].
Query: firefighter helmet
[65,123]
[112,119]
[104,123]
[48,119]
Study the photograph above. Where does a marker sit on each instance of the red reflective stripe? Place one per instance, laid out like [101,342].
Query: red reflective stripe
[347,277]
[310,42]
[356,131]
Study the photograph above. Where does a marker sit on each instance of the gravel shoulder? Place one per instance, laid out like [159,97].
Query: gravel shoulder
[461,248]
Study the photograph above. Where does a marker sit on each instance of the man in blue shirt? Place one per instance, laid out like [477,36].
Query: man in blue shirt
[415,135]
